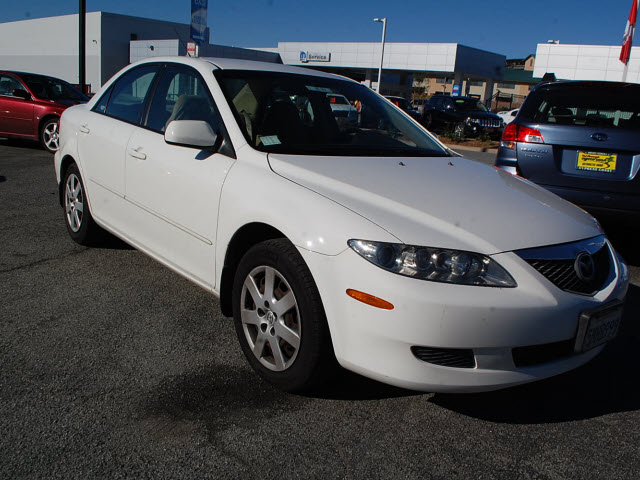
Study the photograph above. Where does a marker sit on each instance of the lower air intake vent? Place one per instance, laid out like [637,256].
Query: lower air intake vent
[446,357]
[537,354]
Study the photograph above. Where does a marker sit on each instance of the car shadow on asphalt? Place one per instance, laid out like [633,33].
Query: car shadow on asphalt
[606,385]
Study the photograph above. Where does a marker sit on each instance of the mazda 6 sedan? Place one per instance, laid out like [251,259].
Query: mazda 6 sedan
[356,241]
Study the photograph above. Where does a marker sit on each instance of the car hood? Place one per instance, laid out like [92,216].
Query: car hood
[448,202]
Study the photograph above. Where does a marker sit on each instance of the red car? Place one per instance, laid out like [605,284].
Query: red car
[31,105]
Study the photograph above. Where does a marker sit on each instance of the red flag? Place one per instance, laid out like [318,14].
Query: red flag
[628,33]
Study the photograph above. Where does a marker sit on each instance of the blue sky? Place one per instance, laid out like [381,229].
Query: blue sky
[510,28]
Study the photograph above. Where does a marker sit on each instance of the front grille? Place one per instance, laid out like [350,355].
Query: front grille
[446,357]
[537,354]
[558,264]
[487,122]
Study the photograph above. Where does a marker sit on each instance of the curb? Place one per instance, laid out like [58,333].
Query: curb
[472,149]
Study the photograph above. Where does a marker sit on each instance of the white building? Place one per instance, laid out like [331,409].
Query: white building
[585,62]
[401,61]
[50,45]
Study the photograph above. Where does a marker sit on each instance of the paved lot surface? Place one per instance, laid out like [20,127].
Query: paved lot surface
[112,366]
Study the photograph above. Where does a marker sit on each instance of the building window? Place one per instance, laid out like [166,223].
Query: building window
[444,80]
[476,83]
[510,85]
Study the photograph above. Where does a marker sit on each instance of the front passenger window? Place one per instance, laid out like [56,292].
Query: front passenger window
[181,95]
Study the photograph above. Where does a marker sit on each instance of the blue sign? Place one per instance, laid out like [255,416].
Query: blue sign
[303,57]
[455,91]
[199,21]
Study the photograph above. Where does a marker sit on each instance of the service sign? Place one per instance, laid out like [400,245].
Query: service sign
[314,57]
[199,21]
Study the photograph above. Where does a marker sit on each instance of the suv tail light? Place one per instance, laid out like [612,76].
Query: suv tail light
[517,133]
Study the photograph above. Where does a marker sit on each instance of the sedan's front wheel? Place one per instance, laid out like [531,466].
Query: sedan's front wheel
[279,318]
[49,135]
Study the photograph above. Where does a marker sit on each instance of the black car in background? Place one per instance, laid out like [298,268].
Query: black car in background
[581,140]
[405,105]
[464,116]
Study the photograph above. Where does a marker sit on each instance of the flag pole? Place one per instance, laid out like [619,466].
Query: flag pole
[631,28]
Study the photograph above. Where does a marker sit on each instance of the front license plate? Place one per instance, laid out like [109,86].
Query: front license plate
[598,326]
[597,162]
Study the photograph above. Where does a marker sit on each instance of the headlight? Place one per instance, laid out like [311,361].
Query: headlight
[434,264]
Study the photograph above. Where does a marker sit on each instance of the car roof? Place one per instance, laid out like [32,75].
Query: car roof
[585,83]
[236,64]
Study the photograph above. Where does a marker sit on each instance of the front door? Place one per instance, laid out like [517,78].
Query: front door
[173,191]
[16,113]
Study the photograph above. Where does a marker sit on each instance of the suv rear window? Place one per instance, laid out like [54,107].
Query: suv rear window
[593,105]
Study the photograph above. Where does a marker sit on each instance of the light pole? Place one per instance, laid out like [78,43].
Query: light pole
[384,33]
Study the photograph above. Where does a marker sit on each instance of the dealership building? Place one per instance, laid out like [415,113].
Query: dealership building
[50,46]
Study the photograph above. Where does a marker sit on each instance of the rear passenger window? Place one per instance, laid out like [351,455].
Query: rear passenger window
[128,95]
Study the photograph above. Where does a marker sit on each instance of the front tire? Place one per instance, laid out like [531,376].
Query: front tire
[80,225]
[49,135]
[279,318]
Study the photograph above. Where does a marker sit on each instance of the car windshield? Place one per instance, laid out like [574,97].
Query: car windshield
[293,114]
[593,105]
[469,104]
[48,88]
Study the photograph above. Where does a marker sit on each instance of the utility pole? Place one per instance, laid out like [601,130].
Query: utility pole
[82,35]
[384,34]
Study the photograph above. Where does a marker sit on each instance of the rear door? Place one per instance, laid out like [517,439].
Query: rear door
[590,134]
[103,137]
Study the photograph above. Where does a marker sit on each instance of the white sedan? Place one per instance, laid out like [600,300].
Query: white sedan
[367,241]
[508,115]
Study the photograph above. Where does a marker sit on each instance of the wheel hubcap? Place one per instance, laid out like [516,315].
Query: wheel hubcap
[270,318]
[73,202]
[51,136]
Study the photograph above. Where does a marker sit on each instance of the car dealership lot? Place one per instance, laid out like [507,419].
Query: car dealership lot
[113,366]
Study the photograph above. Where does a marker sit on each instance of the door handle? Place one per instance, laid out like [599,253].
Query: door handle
[84,128]
[136,154]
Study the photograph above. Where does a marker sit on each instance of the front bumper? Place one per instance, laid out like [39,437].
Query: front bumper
[490,321]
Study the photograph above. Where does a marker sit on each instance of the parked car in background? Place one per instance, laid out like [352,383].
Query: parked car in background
[418,104]
[508,116]
[341,107]
[464,116]
[581,140]
[405,105]
[368,242]
[31,106]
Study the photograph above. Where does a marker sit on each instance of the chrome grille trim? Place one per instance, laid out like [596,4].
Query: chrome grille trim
[557,264]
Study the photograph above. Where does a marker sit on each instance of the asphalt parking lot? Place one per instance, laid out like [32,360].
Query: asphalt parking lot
[112,366]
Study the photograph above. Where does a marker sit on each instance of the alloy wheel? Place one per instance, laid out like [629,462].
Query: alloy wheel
[50,136]
[270,318]
[74,202]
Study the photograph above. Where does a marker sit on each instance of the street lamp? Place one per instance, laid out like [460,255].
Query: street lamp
[384,33]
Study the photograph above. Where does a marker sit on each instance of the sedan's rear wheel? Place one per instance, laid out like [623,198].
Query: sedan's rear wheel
[279,318]
[80,224]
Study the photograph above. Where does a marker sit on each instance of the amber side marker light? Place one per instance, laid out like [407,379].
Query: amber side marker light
[369,299]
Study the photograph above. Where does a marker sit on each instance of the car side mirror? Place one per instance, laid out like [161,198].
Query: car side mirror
[20,93]
[190,133]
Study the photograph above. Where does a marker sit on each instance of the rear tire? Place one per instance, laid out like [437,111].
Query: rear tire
[279,318]
[458,129]
[80,225]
